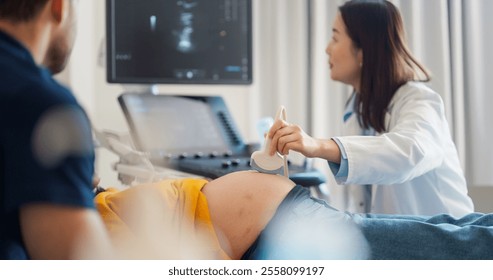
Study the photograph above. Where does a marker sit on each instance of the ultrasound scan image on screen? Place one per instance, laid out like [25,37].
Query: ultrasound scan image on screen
[179,41]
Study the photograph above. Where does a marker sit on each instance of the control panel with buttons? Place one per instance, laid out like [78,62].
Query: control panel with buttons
[217,166]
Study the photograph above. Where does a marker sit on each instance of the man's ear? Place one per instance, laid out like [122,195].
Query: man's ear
[58,10]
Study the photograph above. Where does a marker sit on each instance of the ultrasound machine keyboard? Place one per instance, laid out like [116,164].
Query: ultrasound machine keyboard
[219,166]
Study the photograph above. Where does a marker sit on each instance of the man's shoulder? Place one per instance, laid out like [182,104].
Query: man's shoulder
[44,87]
[22,80]
[35,92]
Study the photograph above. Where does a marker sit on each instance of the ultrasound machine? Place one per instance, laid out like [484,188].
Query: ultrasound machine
[185,42]
[195,134]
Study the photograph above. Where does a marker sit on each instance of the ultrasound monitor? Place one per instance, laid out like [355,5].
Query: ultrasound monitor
[179,41]
[167,125]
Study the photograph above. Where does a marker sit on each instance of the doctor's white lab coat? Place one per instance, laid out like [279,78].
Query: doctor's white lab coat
[413,168]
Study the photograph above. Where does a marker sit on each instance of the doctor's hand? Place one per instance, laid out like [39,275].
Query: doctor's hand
[285,137]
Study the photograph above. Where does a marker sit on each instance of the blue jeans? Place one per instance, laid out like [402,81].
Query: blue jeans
[439,237]
[304,227]
[307,228]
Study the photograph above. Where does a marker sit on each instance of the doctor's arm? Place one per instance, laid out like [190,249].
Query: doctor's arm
[413,146]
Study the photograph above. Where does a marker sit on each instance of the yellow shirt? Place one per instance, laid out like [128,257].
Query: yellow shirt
[165,220]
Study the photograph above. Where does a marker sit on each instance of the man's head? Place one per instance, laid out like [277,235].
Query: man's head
[20,10]
[59,15]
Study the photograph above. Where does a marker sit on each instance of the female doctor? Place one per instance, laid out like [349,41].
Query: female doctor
[399,151]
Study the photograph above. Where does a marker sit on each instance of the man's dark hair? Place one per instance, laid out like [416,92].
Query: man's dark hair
[20,10]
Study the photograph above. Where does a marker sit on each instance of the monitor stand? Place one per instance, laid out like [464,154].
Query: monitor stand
[141,89]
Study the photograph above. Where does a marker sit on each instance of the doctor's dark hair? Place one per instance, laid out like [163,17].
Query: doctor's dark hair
[376,27]
[20,10]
